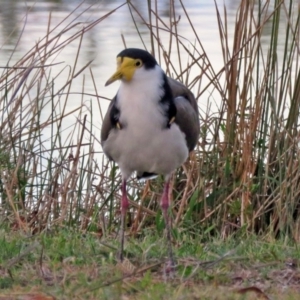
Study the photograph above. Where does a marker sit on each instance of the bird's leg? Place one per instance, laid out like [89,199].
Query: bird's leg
[124,207]
[165,204]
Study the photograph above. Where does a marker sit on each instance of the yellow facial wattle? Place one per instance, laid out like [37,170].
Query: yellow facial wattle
[126,67]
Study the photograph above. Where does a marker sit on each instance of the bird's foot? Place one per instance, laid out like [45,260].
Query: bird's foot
[120,256]
[170,269]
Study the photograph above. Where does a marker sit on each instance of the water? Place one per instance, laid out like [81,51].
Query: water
[23,24]
[29,21]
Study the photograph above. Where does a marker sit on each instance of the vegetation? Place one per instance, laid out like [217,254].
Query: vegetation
[71,265]
[60,198]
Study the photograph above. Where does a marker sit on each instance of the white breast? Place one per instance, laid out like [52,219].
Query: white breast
[144,144]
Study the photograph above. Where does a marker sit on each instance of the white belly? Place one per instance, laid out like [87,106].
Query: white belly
[151,149]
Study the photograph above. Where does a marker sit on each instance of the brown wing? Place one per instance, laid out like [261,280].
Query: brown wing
[187,117]
[107,124]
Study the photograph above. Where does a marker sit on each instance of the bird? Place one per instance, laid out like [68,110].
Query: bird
[149,129]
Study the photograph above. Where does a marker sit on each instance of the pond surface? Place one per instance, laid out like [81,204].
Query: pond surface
[23,24]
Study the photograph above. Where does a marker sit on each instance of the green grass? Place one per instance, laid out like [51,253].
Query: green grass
[235,202]
[72,265]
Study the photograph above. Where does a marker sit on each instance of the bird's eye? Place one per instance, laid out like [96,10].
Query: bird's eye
[138,63]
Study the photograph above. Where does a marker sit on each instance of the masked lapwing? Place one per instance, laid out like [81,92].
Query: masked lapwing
[150,127]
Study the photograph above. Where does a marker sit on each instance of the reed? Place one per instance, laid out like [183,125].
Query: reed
[244,174]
